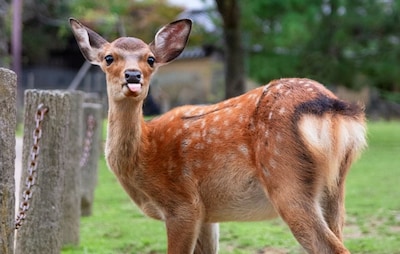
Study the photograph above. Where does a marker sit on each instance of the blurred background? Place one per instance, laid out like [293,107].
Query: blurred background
[353,47]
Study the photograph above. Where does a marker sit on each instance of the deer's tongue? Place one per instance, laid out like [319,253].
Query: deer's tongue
[135,87]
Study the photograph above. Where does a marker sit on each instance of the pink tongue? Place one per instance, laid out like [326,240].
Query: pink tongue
[135,87]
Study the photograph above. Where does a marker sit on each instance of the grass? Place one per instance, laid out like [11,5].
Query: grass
[372,202]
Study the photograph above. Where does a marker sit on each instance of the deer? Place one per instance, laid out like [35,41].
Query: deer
[280,150]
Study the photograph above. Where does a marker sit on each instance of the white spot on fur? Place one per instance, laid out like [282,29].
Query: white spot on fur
[202,124]
[186,125]
[199,146]
[282,111]
[177,133]
[196,135]
[244,150]
[272,163]
[252,96]
[270,116]
[241,118]
[265,170]
[214,131]
[185,143]
[278,137]
[228,111]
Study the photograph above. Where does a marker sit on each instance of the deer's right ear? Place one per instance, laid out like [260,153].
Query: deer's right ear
[90,43]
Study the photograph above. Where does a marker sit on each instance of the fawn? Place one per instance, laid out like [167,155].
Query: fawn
[281,149]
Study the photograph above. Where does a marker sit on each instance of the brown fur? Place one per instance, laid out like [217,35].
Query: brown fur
[282,149]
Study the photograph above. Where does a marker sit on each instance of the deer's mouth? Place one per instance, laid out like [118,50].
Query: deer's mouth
[132,89]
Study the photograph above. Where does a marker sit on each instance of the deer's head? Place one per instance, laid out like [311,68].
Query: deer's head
[129,62]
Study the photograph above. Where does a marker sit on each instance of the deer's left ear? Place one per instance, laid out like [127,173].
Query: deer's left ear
[170,40]
[90,43]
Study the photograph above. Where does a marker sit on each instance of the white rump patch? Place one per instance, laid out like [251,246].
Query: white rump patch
[329,138]
[317,132]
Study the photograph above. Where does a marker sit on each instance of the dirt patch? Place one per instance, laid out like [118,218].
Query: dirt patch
[271,250]
[374,226]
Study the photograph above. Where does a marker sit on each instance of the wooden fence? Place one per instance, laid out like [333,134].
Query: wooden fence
[61,147]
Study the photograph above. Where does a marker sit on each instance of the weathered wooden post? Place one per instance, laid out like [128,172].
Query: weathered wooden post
[92,118]
[72,185]
[8,121]
[40,232]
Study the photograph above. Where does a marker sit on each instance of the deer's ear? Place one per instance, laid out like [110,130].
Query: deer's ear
[170,40]
[90,43]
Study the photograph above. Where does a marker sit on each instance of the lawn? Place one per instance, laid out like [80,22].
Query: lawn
[372,201]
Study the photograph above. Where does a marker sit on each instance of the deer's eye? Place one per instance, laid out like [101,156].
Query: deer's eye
[109,59]
[151,60]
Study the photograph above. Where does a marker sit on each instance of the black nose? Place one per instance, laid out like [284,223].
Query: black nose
[133,76]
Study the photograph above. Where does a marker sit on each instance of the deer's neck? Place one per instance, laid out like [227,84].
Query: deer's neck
[126,137]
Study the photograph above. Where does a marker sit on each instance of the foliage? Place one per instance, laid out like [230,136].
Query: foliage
[353,43]
[334,41]
[372,225]
[121,18]
[46,22]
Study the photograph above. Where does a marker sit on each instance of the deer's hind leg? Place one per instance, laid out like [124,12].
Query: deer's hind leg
[294,185]
[333,199]
[301,211]
[207,241]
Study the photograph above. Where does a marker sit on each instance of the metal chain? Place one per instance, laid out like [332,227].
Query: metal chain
[31,178]
[90,125]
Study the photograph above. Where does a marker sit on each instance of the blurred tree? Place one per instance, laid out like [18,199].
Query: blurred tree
[352,43]
[121,18]
[46,22]
[4,33]
[42,20]
[234,52]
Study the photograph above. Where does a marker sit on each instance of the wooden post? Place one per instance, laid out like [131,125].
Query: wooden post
[89,168]
[41,230]
[72,194]
[8,121]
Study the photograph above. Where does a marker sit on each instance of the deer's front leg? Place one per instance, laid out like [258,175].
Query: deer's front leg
[182,232]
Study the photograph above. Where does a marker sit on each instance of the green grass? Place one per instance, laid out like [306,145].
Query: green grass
[372,201]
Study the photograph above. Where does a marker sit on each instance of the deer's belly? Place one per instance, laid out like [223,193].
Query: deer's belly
[241,200]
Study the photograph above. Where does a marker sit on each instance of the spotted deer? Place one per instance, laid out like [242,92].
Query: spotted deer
[283,149]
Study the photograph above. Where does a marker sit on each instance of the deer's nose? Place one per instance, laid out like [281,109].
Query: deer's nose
[133,76]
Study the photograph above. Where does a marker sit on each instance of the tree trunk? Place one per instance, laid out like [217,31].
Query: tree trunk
[234,52]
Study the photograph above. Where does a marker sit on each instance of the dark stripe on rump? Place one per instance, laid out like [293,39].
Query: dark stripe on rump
[323,104]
